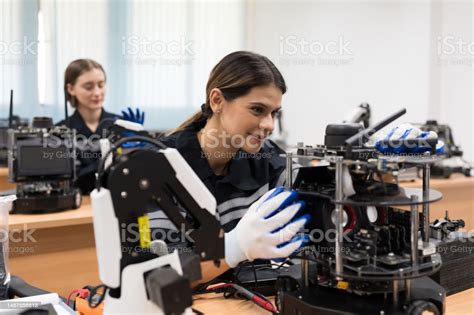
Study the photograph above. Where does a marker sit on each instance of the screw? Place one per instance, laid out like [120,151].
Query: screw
[123,194]
[125,171]
[203,255]
[144,184]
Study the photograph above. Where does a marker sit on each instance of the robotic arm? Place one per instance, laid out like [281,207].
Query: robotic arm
[139,280]
[361,114]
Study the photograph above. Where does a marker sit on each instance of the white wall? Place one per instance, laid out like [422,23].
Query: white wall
[388,61]
[452,94]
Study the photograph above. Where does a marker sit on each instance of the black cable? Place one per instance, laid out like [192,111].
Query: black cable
[202,288]
[95,298]
[239,270]
[270,266]
[254,276]
[228,293]
[114,146]
[195,311]
[10,113]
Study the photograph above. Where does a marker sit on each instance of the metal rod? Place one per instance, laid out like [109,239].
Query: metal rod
[426,206]
[366,133]
[395,292]
[407,290]
[10,113]
[414,232]
[339,215]
[305,267]
[289,170]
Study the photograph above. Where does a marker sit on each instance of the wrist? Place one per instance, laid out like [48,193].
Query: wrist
[233,253]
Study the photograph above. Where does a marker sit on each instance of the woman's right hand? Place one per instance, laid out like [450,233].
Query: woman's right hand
[267,230]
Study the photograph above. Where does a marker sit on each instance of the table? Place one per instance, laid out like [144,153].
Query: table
[4,183]
[63,256]
[458,198]
[55,252]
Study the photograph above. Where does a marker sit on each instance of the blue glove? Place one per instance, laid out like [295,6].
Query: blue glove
[137,117]
[407,138]
[268,229]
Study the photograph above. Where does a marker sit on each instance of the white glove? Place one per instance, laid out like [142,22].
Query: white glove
[393,141]
[261,233]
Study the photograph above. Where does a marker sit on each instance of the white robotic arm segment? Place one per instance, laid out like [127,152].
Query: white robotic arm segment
[107,237]
[191,181]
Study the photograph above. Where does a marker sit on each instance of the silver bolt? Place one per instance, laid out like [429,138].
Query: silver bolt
[144,184]
[203,255]
[300,297]
[126,171]
[123,194]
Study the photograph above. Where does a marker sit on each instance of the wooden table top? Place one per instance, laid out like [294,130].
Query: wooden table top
[455,180]
[83,215]
[461,303]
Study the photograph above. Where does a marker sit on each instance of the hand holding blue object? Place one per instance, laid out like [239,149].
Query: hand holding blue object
[268,229]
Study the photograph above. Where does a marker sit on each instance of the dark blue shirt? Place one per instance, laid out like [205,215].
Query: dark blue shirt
[88,148]
[249,176]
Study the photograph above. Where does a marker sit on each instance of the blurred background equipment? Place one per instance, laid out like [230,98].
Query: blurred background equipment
[280,134]
[41,161]
[361,114]
[453,161]
[12,122]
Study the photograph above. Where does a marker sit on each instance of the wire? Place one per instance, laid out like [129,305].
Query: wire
[238,291]
[114,146]
[95,298]
[271,265]
[254,276]
[82,293]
